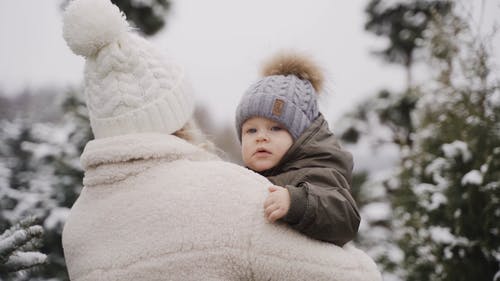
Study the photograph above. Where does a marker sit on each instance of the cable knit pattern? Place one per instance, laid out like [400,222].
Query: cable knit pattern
[156,208]
[129,86]
[134,72]
[299,97]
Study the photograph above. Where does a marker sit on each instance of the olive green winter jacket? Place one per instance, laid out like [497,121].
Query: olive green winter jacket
[317,173]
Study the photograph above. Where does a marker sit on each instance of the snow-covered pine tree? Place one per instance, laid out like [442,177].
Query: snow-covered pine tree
[380,128]
[19,248]
[448,198]
[40,176]
[437,213]
[403,24]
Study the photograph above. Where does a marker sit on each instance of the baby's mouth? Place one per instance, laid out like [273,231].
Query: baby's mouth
[262,152]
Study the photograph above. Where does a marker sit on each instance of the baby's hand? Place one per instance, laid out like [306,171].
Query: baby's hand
[277,203]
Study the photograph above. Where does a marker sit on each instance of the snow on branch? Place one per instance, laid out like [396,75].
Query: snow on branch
[24,260]
[457,148]
[14,242]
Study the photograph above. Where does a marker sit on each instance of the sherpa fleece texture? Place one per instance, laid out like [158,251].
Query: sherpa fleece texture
[155,207]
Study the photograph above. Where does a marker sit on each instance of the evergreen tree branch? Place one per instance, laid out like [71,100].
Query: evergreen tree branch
[12,241]
[24,260]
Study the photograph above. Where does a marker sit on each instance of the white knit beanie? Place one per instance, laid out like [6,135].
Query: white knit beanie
[129,86]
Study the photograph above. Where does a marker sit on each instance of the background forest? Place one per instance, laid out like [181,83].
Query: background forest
[432,213]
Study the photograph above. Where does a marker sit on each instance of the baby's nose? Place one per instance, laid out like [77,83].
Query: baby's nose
[262,136]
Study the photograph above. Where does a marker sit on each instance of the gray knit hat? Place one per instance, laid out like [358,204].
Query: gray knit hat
[287,94]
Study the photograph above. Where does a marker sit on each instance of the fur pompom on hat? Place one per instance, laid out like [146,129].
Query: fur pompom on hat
[287,93]
[92,24]
[129,86]
[295,64]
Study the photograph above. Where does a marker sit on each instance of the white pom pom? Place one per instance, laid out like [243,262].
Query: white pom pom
[88,25]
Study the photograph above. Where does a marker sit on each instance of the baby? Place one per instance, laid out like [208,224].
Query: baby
[286,139]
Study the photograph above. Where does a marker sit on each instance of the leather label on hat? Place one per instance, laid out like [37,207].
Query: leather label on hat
[278,107]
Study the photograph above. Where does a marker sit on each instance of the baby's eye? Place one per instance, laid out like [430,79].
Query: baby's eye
[251,131]
[276,128]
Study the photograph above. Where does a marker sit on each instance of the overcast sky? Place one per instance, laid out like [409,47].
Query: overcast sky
[220,42]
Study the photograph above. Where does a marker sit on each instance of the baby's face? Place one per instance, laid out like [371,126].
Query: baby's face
[263,143]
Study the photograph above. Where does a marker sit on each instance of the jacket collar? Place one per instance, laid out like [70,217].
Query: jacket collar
[316,147]
[113,159]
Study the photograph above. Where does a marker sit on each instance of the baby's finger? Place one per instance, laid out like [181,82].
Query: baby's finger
[269,210]
[269,201]
[275,215]
[272,188]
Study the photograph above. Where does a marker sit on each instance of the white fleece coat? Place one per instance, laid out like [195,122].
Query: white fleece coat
[155,207]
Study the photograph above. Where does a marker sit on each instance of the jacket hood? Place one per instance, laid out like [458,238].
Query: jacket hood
[316,147]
